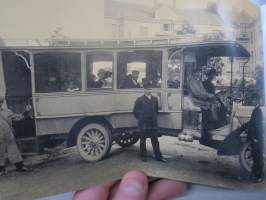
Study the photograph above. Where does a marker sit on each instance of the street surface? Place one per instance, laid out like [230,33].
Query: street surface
[186,161]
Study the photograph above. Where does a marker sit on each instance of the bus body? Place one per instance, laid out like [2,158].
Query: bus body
[58,109]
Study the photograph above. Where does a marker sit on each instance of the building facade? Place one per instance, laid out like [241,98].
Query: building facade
[125,21]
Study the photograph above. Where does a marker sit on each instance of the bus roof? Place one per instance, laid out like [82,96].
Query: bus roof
[222,49]
[215,48]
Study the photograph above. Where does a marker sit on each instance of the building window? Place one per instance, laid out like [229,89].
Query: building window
[139,68]
[57,72]
[167,27]
[116,30]
[99,70]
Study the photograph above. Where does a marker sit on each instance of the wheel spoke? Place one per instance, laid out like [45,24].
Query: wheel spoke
[86,138]
[101,146]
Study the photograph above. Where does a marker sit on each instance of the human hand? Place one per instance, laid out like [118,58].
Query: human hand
[133,186]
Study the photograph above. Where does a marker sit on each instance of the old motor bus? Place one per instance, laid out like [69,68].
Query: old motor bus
[78,89]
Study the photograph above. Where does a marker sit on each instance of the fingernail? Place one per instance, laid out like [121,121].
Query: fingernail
[132,187]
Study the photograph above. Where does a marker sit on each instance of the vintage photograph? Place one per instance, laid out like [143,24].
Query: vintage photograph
[91,89]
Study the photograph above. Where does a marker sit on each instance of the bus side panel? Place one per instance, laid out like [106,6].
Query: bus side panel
[87,104]
[170,120]
[52,126]
[59,114]
[71,104]
[124,101]
[55,125]
[165,120]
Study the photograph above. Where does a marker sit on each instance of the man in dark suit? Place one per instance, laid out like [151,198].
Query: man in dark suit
[256,136]
[146,111]
[132,80]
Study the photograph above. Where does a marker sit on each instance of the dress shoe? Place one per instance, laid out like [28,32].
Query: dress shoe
[161,160]
[256,179]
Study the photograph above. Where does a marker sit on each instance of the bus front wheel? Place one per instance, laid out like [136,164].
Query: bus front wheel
[94,142]
[245,158]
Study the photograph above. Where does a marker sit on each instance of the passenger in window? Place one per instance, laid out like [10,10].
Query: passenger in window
[156,82]
[72,87]
[53,80]
[144,81]
[172,81]
[131,80]
[91,80]
[102,76]
[53,85]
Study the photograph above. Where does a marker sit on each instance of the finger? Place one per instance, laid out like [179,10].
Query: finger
[114,189]
[133,186]
[165,189]
[100,192]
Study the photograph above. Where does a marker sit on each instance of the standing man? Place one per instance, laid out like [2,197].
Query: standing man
[146,111]
[8,146]
[256,135]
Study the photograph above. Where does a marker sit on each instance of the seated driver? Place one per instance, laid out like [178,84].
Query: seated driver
[202,98]
[220,113]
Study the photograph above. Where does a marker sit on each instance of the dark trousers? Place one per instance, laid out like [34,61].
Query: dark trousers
[258,165]
[155,146]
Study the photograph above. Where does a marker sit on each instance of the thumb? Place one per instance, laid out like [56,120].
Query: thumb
[134,186]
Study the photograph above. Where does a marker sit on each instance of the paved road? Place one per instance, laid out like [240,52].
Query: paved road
[186,161]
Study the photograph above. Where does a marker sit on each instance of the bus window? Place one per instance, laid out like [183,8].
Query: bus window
[136,68]
[57,72]
[99,70]
[174,70]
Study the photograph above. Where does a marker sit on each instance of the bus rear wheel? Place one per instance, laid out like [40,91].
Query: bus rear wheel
[127,139]
[94,142]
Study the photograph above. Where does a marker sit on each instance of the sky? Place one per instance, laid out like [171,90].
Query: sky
[78,18]
[39,18]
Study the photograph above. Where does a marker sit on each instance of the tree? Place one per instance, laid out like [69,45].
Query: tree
[57,35]
[214,63]
[254,92]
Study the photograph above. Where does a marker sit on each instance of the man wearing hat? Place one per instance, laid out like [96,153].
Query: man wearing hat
[132,80]
[8,146]
[208,85]
[146,111]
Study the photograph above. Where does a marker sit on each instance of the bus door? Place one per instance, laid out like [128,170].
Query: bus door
[171,117]
[18,93]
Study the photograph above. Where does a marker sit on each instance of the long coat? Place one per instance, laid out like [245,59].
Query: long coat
[146,112]
[8,145]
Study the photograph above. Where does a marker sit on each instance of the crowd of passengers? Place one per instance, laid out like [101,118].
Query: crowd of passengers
[129,81]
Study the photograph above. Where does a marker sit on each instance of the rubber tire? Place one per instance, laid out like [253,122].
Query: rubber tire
[107,142]
[246,165]
[127,140]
